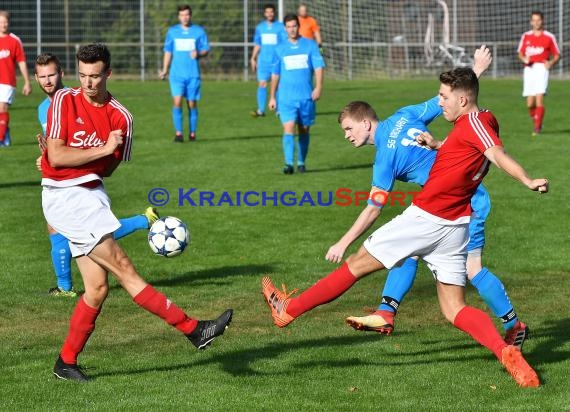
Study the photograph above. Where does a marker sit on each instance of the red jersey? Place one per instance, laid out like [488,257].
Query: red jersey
[459,167]
[82,125]
[11,52]
[538,48]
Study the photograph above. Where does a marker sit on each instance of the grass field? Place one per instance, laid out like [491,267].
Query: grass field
[139,363]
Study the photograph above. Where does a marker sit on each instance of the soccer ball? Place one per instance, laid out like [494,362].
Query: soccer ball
[168,236]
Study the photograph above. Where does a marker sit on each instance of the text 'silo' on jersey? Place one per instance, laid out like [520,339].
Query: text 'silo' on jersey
[181,42]
[295,64]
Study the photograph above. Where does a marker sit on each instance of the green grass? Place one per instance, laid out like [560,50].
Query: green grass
[139,363]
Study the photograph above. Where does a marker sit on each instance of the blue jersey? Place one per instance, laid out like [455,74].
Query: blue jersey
[181,42]
[43,113]
[398,155]
[295,64]
[267,36]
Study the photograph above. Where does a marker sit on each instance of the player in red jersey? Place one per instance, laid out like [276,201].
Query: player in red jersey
[539,52]
[89,133]
[434,227]
[11,54]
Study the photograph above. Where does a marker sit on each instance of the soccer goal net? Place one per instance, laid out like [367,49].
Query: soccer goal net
[383,38]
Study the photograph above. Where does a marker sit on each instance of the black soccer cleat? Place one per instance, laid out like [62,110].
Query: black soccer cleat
[301,169]
[68,371]
[288,170]
[208,330]
[178,138]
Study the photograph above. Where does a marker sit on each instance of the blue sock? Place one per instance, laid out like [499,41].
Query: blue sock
[398,283]
[177,119]
[493,292]
[61,260]
[303,148]
[289,148]
[193,119]
[130,225]
[261,99]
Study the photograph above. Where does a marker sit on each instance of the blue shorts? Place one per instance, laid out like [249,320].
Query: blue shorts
[264,72]
[299,111]
[188,88]
[481,206]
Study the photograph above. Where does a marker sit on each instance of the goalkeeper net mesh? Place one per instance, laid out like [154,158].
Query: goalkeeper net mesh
[370,39]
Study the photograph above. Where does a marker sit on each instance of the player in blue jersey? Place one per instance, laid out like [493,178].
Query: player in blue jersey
[399,157]
[268,34]
[292,93]
[49,76]
[184,45]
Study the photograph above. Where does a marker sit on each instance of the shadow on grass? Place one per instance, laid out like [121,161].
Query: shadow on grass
[349,167]
[210,274]
[20,184]
[248,137]
[240,363]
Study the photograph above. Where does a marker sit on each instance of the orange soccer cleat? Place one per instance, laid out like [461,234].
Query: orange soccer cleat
[277,301]
[518,367]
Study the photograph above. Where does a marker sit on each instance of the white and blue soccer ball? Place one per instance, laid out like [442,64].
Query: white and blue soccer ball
[168,236]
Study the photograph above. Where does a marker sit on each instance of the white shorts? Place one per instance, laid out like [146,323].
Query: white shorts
[442,247]
[535,79]
[7,93]
[80,214]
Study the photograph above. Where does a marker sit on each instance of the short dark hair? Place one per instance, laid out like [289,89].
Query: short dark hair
[269,6]
[183,7]
[537,13]
[291,17]
[93,53]
[358,111]
[461,78]
[47,58]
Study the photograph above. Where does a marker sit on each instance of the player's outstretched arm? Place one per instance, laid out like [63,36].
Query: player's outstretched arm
[503,161]
[366,218]
[481,60]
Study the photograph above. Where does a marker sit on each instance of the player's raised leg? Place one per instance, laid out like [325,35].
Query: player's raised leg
[138,222]
[285,309]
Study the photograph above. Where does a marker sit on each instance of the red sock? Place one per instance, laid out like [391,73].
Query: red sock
[532,112]
[480,326]
[4,121]
[325,290]
[155,302]
[538,117]
[81,325]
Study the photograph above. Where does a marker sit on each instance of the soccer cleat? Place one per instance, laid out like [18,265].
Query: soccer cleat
[517,335]
[288,170]
[256,113]
[517,366]
[208,330]
[178,138]
[277,301]
[151,215]
[536,131]
[373,323]
[301,169]
[59,292]
[68,371]
[192,137]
